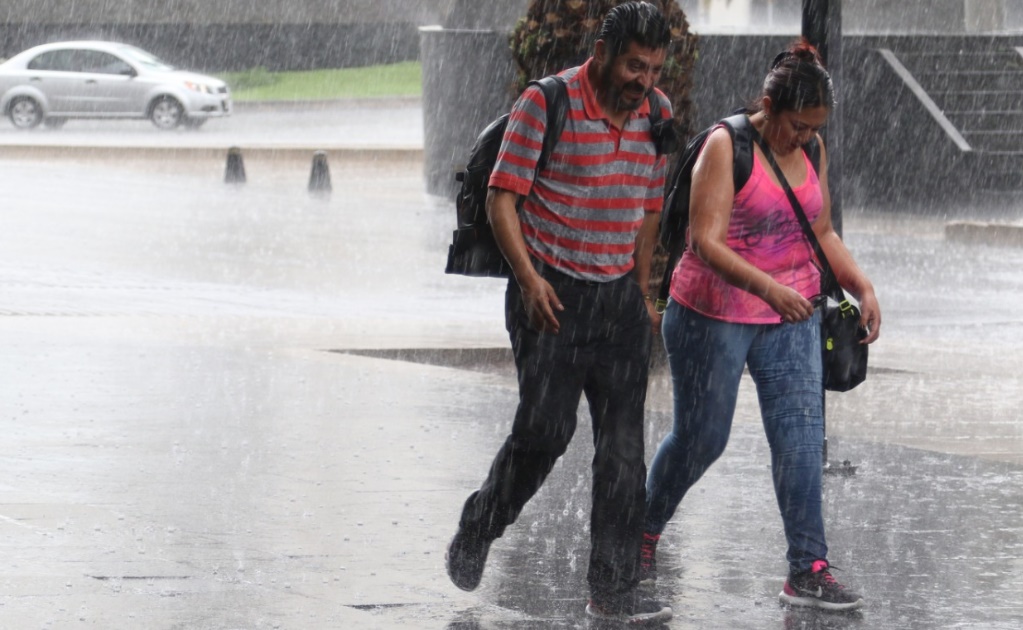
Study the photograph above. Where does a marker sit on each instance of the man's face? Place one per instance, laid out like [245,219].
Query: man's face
[629,77]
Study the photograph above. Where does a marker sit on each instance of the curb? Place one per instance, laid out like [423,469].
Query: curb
[376,102]
[978,233]
[271,153]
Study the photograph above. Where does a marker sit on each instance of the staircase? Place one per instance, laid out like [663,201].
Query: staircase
[980,91]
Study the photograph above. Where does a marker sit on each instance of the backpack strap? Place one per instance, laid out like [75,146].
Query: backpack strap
[661,130]
[555,94]
[739,127]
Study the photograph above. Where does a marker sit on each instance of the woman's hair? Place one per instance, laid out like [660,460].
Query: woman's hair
[798,80]
[639,22]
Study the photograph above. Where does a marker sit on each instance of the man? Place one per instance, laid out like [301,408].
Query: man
[578,309]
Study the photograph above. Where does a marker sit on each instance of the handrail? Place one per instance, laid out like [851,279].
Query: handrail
[925,100]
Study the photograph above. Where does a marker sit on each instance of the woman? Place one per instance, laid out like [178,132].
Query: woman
[741,296]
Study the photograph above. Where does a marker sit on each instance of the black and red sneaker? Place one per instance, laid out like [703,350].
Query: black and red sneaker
[648,560]
[816,587]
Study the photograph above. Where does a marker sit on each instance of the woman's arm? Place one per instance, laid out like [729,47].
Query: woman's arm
[846,270]
[710,211]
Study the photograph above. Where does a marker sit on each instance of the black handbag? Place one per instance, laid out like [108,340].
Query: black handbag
[843,357]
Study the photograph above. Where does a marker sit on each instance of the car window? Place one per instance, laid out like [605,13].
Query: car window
[148,60]
[59,60]
[97,61]
[80,60]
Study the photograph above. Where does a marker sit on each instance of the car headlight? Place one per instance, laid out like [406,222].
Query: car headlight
[199,87]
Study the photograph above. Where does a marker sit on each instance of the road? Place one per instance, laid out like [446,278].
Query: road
[252,407]
[371,123]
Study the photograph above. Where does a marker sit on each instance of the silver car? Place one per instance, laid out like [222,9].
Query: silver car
[54,82]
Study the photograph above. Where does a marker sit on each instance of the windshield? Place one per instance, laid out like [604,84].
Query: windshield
[146,59]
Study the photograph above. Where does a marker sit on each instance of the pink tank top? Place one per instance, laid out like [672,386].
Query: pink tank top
[763,230]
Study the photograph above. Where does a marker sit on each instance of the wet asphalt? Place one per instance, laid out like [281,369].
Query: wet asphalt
[249,406]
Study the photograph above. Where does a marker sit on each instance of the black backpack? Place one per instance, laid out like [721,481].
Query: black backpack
[675,215]
[473,250]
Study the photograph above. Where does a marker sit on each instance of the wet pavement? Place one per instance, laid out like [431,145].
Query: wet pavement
[252,407]
[358,123]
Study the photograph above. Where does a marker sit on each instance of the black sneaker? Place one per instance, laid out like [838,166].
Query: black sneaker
[632,611]
[648,560]
[816,587]
[465,559]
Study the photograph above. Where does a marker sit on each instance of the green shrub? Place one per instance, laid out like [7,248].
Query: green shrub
[382,81]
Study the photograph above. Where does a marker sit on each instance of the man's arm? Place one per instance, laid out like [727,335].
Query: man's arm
[646,240]
[537,294]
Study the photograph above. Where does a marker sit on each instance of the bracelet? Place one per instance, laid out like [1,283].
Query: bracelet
[648,297]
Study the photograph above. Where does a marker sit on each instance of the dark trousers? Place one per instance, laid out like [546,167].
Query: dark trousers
[602,351]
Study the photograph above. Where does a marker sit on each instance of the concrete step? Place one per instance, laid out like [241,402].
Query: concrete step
[1004,141]
[998,182]
[960,61]
[986,120]
[958,100]
[981,233]
[971,81]
[994,171]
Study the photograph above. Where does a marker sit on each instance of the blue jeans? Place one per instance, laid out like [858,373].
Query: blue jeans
[706,357]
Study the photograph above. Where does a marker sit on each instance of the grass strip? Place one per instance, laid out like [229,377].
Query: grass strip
[259,84]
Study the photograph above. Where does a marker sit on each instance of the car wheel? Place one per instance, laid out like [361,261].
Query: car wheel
[25,112]
[54,123]
[167,113]
[194,123]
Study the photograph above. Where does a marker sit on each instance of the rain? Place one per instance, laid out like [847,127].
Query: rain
[258,402]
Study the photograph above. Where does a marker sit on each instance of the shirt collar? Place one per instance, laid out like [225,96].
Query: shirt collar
[590,103]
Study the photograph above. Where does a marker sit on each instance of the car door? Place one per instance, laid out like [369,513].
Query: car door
[52,73]
[109,87]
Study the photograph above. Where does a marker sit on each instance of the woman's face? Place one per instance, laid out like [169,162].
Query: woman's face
[794,128]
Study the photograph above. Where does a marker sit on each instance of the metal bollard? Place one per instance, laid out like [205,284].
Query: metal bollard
[319,178]
[235,171]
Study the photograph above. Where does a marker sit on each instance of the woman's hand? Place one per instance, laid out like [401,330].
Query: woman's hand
[788,303]
[870,316]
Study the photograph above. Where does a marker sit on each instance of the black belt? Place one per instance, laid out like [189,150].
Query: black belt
[550,273]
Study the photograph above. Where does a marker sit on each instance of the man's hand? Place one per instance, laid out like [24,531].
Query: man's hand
[655,317]
[540,301]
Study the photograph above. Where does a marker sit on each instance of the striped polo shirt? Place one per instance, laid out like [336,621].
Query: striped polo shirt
[583,213]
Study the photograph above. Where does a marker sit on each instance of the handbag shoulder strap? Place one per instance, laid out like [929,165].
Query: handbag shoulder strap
[829,283]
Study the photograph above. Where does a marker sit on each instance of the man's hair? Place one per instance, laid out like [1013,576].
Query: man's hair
[639,22]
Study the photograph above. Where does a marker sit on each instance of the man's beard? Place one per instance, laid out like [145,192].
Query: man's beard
[617,94]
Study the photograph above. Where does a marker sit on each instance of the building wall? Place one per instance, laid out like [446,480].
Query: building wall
[881,117]
[418,12]
[232,34]
[876,17]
